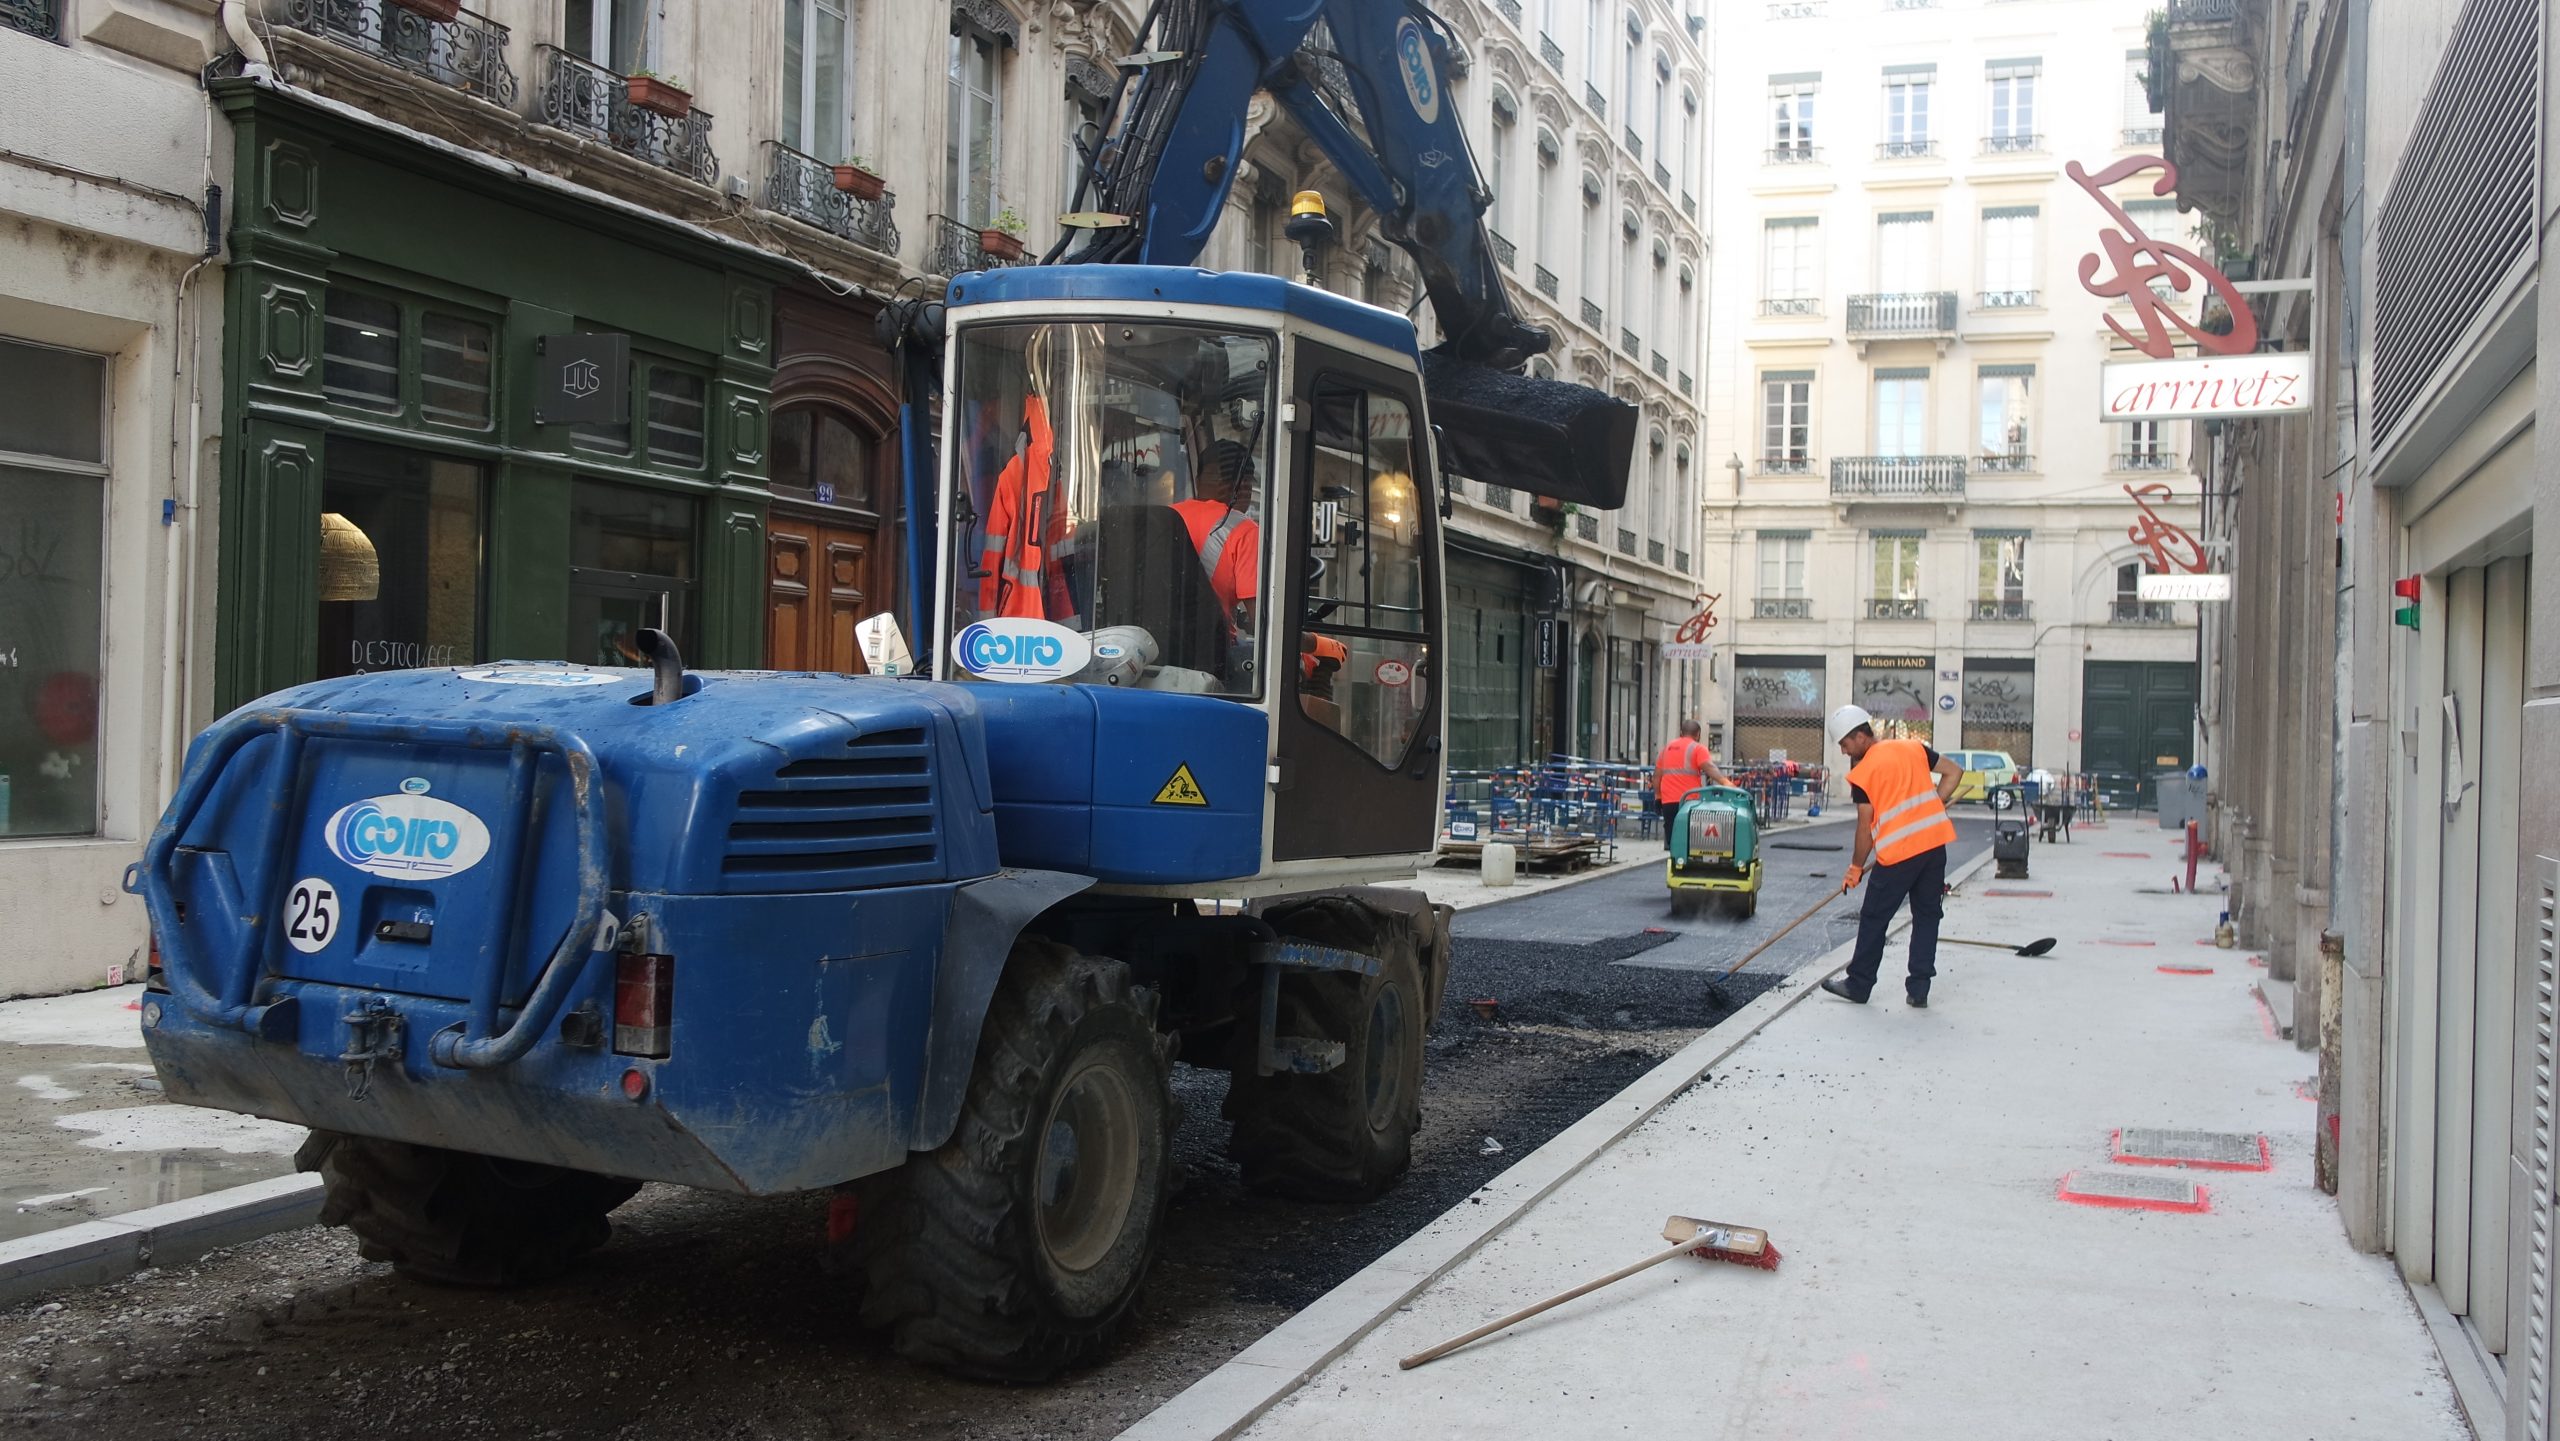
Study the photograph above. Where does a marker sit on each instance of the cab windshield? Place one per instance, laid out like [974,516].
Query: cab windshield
[1110,479]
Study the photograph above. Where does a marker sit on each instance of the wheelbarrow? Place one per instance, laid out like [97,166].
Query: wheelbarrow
[1715,853]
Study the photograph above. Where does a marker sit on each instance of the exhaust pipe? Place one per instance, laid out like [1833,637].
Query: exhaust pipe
[660,650]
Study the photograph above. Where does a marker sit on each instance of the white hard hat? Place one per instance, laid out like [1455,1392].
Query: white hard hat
[1844,720]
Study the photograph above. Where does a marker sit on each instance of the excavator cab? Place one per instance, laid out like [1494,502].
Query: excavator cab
[1219,493]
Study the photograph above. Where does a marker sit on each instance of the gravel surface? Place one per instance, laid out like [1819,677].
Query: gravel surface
[709,1316]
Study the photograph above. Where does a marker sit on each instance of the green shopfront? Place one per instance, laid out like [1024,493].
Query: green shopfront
[393,494]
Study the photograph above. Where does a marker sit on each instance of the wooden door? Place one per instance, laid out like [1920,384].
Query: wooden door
[820,582]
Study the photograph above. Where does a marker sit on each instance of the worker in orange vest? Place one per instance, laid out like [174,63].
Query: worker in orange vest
[1224,532]
[1683,766]
[1901,789]
[1027,528]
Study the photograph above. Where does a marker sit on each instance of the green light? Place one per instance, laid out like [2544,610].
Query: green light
[2406,615]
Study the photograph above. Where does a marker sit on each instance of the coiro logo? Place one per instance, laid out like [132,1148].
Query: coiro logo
[1413,62]
[407,835]
[1021,650]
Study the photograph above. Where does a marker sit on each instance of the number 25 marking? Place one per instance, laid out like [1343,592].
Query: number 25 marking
[311,914]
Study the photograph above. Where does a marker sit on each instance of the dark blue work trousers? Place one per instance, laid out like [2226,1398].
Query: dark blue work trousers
[1923,880]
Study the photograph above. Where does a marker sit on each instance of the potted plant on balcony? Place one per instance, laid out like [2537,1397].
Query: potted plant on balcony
[432,9]
[855,177]
[1003,240]
[659,94]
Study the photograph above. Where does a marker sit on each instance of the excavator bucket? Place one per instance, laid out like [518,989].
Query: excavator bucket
[1547,437]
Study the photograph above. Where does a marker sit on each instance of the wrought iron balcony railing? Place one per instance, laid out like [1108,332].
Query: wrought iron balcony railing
[1688,382]
[1510,10]
[1906,149]
[1498,496]
[1596,102]
[1594,316]
[1688,205]
[1626,541]
[804,188]
[1661,366]
[1653,551]
[1898,477]
[2203,12]
[960,247]
[1680,561]
[1998,609]
[2012,144]
[1587,525]
[467,53]
[1504,250]
[1630,342]
[2146,460]
[1662,175]
[2008,299]
[2143,612]
[1550,52]
[1791,305]
[2005,462]
[2142,135]
[1547,282]
[1795,153]
[1782,607]
[40,18]
[1886,607]
[1635,142]
[1786,465]
[588,99]
[1915,312]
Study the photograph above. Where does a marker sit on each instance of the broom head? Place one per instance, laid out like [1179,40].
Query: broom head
[1721,1241]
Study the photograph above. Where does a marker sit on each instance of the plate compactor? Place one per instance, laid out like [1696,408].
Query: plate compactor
[1715,853]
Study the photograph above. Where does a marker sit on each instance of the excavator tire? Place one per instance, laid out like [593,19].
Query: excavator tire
[1344,1134]
[456,1218]
[1016,1251]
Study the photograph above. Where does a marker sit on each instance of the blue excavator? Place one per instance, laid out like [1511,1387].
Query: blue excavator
[514,939]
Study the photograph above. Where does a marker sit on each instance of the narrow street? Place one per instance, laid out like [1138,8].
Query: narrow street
[712,1315]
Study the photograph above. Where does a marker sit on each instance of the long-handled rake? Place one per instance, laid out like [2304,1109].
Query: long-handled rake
[1717,994]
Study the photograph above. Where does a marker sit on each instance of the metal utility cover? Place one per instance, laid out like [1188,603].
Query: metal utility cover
[581,379]
[2216,1150]
[2134,1189]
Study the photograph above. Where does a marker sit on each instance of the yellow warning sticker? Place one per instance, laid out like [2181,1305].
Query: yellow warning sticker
[1182,790]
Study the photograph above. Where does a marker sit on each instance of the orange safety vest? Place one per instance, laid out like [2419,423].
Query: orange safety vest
[1025,527]
[1680,770]
[1230,547]
[1903,793]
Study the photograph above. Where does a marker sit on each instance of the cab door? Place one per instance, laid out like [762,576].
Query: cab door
[1361,691]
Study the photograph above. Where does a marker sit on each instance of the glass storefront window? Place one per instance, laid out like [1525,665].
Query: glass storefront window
[52,548]
[360,358]
[631,564]
[454,359]
[676,409]
[400,574]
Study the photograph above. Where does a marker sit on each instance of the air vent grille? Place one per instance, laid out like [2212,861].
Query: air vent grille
[866,817]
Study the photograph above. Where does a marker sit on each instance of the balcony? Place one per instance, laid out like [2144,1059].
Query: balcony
[1504,250]
[2143,612]
[1782,607]
[1905,314]
[1587,525]
[1510,10]
[1653,551]
[1594,316]
[1786,465]
[2203,80]
[1547,282]
[1906,150]
[1688,205]
[1996,609]
[2150,460]
[2008,299]
[1662,176]
[1898,477]
[1661,365]
[1885,607]
[1635,142]
[2140,137]
[1792,306]
[1551,52]
[1795,154]
[1594,101]
[1680,561]
[588,99]
[467,53]
[1630,342]
[803,187]
[2006,462]
[1499,497]
[2012,144]
[40,18]
[1626,541]
[1688,383]
[959,247]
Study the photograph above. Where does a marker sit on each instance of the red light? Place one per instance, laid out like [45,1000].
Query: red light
[635,1084]
[2407,589]
[843,1211]
[643,1004]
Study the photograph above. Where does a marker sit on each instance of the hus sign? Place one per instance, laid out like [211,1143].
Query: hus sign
[2223,386]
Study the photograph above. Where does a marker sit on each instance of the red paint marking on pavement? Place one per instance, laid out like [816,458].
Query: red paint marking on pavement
[133,1005]
[2110,941]
[2266,1158]
[2305,1090]
[2063,1192]
[2039,895]
[2208,941]
[2259,961]
[2266,1015]
[2184,970]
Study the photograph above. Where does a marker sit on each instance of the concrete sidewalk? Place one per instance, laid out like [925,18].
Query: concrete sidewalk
[1913,1167]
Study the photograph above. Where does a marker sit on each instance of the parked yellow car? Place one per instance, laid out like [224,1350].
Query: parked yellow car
[1982,770]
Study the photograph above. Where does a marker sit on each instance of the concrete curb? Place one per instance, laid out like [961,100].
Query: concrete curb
[1226,1401]
[181,1231]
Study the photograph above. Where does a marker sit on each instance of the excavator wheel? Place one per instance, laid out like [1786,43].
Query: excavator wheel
[1016,1251]
[457,1218]
[1344,1134]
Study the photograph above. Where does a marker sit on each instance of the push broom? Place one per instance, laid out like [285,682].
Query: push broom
[1706,1240]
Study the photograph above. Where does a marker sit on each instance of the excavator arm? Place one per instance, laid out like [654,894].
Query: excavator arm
[1366,79]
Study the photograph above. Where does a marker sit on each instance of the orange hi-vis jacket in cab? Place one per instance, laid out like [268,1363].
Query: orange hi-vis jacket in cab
[1680,770]
[1903,792]
[1230,546]
[1026,524]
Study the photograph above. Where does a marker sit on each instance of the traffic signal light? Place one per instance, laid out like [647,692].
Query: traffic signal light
[2406,591]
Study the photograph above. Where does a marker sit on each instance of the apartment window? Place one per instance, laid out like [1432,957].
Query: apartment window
[1595,244]
[1634,71]
[1498,172]
[671,417]
[816,105]
[2144,445]
[1897,565]
[2130,606]
[395,358]
[612,33]
[1658,498]
[2013,102]
[1594,74]
[1906,109]
[2141,122]
[2009,255]
[1791,106]
[1786,419]
[1902,412]
[1791,268]
[1688,143]
[1782,558]
[2001,419]
[631,564]
[1905,246]
[360,350]
[2000,566]
[1661,106]
[53,507]
[970,123]
[1544,217]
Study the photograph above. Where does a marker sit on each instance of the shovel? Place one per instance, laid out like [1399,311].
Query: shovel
[2031,948]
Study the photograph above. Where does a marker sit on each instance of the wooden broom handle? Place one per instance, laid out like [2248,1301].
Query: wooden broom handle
[1694,1243]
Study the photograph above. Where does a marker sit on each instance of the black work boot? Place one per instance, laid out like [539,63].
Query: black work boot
[1837,987]
[1916,1000]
